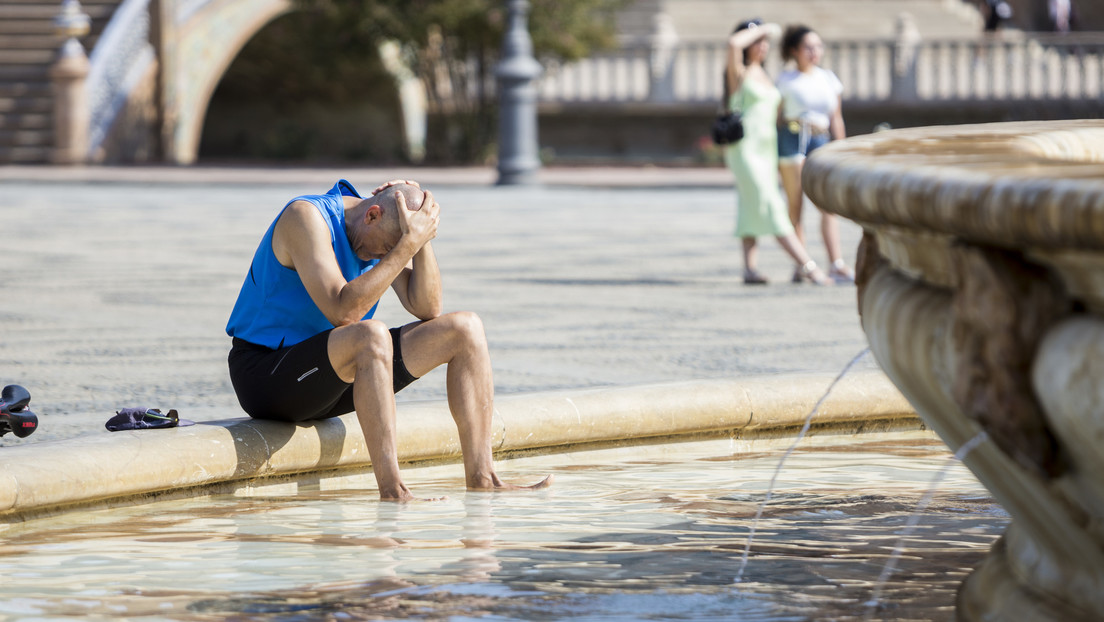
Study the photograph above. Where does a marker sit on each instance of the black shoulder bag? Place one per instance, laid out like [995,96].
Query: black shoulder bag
[728,128]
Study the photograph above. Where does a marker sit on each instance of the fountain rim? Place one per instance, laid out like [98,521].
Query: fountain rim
[126,468]
[980,183]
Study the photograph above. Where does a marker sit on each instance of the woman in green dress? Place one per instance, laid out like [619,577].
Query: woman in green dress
[761,209]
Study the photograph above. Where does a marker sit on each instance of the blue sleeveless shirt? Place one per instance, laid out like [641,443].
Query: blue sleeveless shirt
[273,308]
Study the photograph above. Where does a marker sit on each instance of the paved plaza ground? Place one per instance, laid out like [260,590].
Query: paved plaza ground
[117,283]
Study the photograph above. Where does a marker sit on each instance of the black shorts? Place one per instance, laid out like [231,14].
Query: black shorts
[298,382]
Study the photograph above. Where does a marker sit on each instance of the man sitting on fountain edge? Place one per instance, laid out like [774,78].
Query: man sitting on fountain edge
[305,345]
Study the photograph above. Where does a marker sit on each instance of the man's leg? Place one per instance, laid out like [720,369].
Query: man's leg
[458,341]
[361,354]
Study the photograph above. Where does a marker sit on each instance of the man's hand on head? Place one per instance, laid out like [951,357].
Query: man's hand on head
[419,224]
[395,182]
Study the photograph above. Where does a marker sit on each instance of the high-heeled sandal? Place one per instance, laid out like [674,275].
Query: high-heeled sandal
[811,273]
[840,273]
[753,277]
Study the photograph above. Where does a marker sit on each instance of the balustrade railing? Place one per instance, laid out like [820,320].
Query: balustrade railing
[122,55]
[1031,68]
[1006,68]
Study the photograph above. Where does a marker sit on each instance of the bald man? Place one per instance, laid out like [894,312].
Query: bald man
[305,345]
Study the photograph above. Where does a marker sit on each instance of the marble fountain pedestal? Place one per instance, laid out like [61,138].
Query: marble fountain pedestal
[981,291]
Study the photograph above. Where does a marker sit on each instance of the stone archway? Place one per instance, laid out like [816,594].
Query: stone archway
[203,45]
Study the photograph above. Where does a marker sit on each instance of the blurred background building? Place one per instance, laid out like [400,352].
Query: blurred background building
[244,81]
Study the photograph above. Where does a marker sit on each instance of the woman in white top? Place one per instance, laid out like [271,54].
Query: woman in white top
[810,116]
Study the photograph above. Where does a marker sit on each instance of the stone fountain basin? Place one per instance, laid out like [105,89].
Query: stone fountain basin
[980,286]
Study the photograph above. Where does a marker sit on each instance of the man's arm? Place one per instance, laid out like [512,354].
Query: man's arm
[301,242]
[418,287]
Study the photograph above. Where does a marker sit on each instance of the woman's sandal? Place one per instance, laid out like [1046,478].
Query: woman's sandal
[840,273]
[811,273]
[753,277]
[798,275]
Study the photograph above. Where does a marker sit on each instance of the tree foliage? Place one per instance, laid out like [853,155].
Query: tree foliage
[326,52]
[452,45]
[561,29]
[300,57]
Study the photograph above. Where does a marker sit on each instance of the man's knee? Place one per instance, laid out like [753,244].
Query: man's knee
[468,326]
[372,341]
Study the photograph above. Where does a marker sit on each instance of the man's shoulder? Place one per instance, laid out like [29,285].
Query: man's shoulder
[300,213]
[302,204]
[301,219]
[314,216]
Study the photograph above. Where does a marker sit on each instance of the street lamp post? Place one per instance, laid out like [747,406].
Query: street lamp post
[518,161]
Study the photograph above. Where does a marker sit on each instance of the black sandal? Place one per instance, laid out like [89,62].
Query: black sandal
[752,277]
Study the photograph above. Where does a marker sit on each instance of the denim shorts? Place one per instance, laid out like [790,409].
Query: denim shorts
[790,145]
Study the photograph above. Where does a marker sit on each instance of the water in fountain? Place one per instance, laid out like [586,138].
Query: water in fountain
[914,520]
[790,450]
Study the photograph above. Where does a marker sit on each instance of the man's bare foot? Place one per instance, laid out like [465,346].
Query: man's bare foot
[401,494]
[410,498]
[497,485]
[403,497]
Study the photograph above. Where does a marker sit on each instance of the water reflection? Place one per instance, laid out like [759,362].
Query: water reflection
[660,538]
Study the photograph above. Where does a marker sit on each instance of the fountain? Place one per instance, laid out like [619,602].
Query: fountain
[981,289]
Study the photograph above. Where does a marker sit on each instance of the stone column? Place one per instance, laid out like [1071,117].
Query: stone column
[413,101]
[163,39]
[518,159]
[903,85]
[664,39]
[67,76]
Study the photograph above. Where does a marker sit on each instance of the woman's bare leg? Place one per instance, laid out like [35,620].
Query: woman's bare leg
[751,255]
[807,268]
[790,172]
[829,229]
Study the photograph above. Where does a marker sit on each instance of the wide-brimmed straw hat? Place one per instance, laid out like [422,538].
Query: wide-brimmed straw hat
[770,30]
